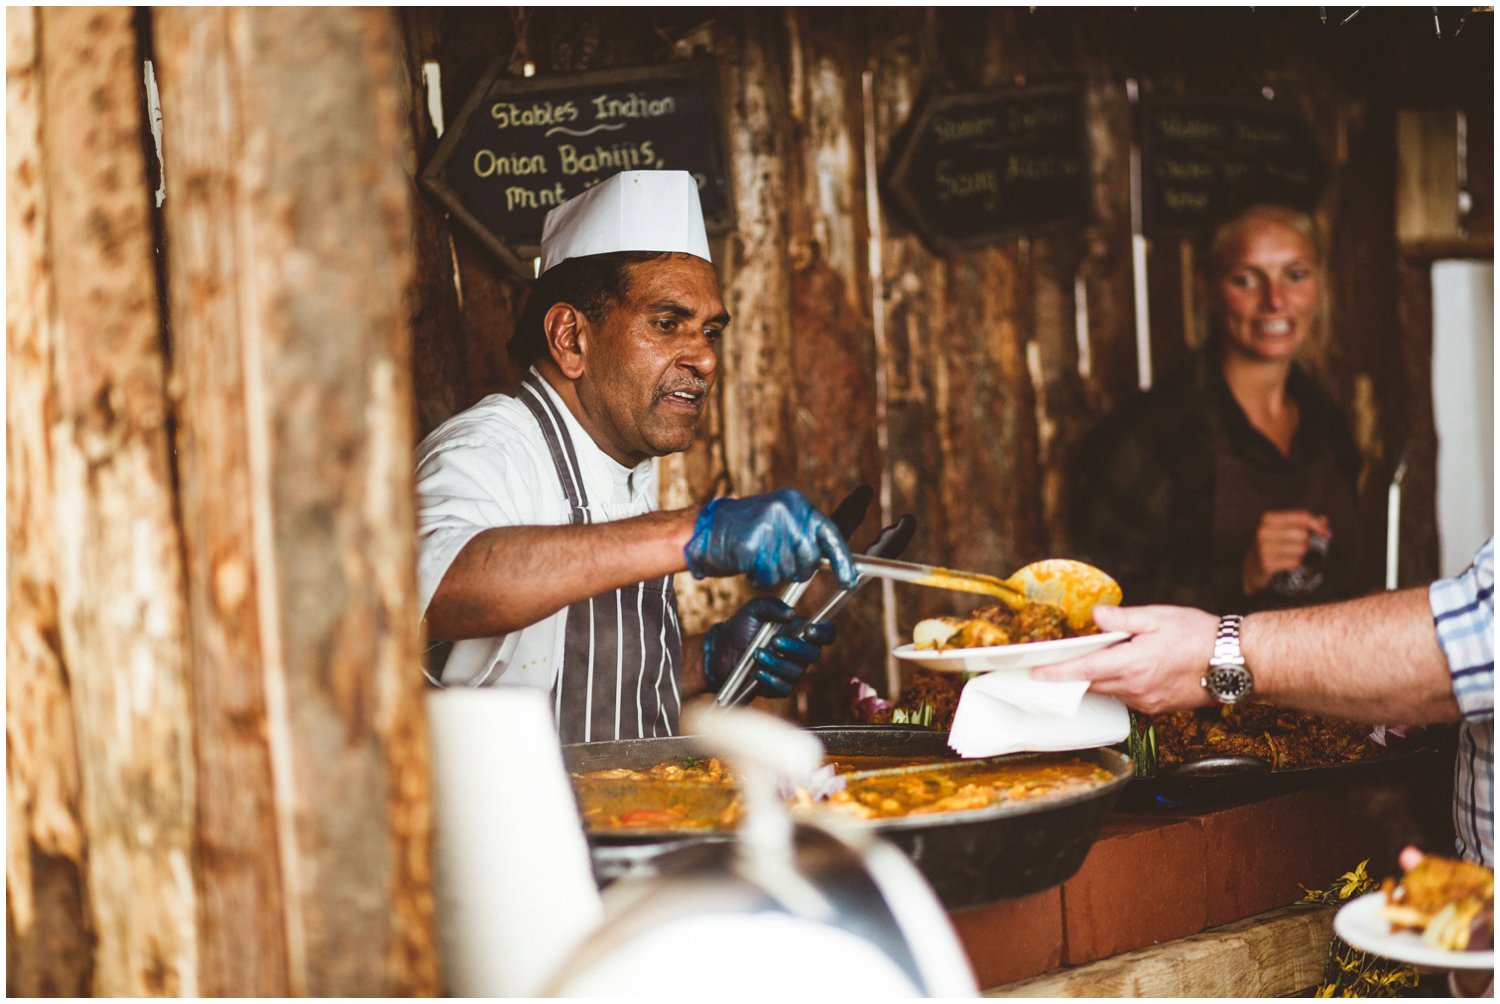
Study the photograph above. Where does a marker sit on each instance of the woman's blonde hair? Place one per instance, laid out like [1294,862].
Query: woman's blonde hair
[1219,240]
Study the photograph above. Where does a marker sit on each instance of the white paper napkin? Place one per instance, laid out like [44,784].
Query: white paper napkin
[1008,712]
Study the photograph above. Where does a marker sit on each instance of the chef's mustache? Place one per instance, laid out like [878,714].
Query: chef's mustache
[695,386]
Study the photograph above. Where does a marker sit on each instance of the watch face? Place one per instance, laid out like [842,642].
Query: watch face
[1228,684]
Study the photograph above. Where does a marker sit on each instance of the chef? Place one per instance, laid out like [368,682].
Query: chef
[542,554]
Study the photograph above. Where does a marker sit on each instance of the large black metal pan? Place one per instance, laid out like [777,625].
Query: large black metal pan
[970,858]
[1215,780]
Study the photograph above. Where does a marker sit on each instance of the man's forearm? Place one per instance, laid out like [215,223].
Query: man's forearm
[1374,659]
[508,578]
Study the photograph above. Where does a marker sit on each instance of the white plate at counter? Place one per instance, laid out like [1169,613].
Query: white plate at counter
[1361,924]
[1020,656]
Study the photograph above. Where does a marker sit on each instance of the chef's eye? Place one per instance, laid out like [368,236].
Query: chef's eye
[1242,280]
[666,324]
[713,334]
[1299,274]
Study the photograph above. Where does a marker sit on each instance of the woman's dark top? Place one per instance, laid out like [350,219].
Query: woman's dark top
[1168,491]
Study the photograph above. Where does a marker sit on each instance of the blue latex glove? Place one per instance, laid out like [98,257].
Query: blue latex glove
[772,537]
[780,663]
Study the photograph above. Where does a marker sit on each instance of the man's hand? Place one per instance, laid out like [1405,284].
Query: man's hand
[780,663]
[1280,543]
[772,538]
[1159,669]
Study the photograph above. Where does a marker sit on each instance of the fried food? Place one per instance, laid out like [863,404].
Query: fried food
[996,624]
[1285,739]
[1070,586]
[936,632]
[1450,903]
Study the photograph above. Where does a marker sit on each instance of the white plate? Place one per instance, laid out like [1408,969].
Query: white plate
[1020,656]
[1361,923]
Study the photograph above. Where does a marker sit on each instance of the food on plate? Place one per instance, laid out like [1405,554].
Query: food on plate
[676,796]
[1072,586]
[1285,739]
[1450,903]
[997,624]
[1060,596]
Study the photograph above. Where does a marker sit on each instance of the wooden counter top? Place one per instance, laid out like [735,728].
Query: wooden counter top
[1160,874]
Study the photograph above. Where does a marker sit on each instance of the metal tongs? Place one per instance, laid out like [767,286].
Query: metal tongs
[738,688]
[881,566]
[847,517]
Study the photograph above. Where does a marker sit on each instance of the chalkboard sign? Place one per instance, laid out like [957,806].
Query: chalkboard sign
[519,147]
[981,166]
[1200,162]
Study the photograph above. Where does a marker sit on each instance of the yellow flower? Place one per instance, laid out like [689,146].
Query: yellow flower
[1355,881]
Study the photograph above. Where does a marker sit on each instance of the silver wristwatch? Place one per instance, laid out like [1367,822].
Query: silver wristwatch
[1228,679]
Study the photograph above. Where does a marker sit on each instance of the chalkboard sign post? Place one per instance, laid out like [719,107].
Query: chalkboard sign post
[519,147]
[981,166]
[1201,162]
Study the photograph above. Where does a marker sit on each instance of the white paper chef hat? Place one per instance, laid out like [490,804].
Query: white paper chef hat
[632,211]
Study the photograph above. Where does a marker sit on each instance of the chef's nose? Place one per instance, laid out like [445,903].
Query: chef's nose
[1272,298]
[702,357]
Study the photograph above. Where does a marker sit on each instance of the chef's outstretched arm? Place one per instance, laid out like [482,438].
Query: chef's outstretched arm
[506,578]
[509,577]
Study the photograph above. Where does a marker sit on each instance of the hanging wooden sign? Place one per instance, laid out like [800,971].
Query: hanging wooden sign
[978,167]
[519,147]
[1201,161]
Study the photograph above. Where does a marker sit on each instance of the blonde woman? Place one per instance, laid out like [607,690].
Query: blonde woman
[1231,484]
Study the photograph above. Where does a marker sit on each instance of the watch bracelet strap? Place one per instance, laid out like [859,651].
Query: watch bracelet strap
[1227,641]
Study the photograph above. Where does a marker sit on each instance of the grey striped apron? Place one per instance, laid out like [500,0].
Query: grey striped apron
[621,650]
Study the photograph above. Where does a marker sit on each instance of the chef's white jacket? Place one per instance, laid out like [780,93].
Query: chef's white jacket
[489,466]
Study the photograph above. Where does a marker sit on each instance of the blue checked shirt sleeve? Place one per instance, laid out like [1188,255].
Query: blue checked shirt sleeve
[1463,612]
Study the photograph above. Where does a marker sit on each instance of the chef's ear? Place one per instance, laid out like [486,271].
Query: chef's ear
[566,329]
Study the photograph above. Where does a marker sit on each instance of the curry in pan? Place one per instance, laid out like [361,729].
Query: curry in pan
[699,794]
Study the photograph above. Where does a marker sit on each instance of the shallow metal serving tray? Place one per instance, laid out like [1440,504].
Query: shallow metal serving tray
[1214,780]
[971,858]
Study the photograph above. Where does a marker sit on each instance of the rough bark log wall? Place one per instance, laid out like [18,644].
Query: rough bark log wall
[217,772]
[121,604]
[288,271]
[966,399]
[242,935]
[49,950]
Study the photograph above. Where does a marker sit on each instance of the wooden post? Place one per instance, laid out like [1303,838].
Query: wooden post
[121,616]
[833,419]
[47,940]
[757,383]
[288,224]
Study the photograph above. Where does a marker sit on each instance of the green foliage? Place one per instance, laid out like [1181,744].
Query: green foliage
[1141,747]
[922,716]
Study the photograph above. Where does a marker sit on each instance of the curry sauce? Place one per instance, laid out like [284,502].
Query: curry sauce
[699,794]
[965,787]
